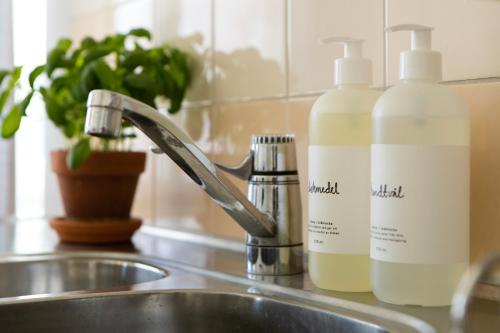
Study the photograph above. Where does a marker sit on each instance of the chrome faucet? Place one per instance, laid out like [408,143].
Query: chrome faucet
[476,301]
[271,215]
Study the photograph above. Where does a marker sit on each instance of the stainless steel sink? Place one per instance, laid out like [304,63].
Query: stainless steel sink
[132,293]
[54,273]
[175,311]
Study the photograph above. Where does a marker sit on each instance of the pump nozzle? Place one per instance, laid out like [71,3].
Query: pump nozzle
[420,62]
[352,46]
[420,35]
[352,68]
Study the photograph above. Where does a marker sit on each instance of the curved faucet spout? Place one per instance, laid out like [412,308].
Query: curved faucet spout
[105,111]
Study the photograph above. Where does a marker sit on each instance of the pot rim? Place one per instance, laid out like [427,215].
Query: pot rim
[101,163]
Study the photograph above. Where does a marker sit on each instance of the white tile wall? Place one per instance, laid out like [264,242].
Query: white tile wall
[466,33]
[133,14]
[96,24]
[254,49]
[143,206]
[187,24]
[249,48]
[82,7]
[311,64]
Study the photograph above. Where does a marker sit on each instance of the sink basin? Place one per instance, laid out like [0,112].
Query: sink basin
[174,311]
[50,274]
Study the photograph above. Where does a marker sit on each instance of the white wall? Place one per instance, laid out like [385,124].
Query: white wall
[7,179]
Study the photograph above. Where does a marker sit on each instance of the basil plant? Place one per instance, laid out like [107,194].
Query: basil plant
[118,62]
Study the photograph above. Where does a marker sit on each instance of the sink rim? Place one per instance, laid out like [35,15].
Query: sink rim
[118,260]
[218,292]
[140,262]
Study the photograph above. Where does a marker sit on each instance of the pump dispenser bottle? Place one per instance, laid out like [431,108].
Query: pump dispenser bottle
[339,175]
[420,182]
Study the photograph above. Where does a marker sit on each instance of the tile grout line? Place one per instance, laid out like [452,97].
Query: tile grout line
[292,96]
[287,40]
[154,172]
[214,109]
[288,95]
[385,51]
[213,86]
[154,160]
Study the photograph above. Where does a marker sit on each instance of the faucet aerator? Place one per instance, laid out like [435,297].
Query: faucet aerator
[103,122]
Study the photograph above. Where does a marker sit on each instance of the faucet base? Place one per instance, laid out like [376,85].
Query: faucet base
[274,260]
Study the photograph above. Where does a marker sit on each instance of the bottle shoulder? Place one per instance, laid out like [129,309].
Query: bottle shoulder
[420,99]
[346,100]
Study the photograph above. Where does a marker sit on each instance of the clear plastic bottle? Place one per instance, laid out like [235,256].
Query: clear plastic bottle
[339,158]
[420,183]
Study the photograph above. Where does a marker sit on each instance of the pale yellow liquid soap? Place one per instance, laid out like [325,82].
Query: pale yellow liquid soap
[342,118]
[431,115]
[421,139]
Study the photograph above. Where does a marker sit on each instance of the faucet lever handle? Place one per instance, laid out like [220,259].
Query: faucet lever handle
[269,154]
[242,170]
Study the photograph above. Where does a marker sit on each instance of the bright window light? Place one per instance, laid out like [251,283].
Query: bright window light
[30,47]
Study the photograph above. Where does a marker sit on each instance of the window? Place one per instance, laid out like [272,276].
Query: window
[31,156]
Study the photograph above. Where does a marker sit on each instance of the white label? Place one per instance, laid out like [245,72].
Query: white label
[339,199]
[420,204]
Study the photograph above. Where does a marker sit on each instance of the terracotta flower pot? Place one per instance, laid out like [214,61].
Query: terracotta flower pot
[102,187]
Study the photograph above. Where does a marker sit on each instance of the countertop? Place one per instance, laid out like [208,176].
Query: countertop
[226,257]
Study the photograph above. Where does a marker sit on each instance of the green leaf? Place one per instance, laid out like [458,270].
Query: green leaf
[140,32]
[180,68]
[78,154]
[76,91]
[88,80]
[87,42]
[59,83]
[64,44]
[118,62]
[55,59]
[35,73]
[15,74]
[134,59]
[3,75]
[141,81]
[11,123]
[77,59]
[158,54]
[54,111]
[4,96]
[178,75]
[105,75]
[142,87]
[25,102]
[96,53]
[117,42]
[69,130]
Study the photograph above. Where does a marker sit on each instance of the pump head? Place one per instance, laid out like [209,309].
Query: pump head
[352,68]
[420,62]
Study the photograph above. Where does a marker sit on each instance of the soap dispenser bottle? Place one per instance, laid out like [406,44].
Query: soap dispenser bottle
[339,175]
[420,182]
